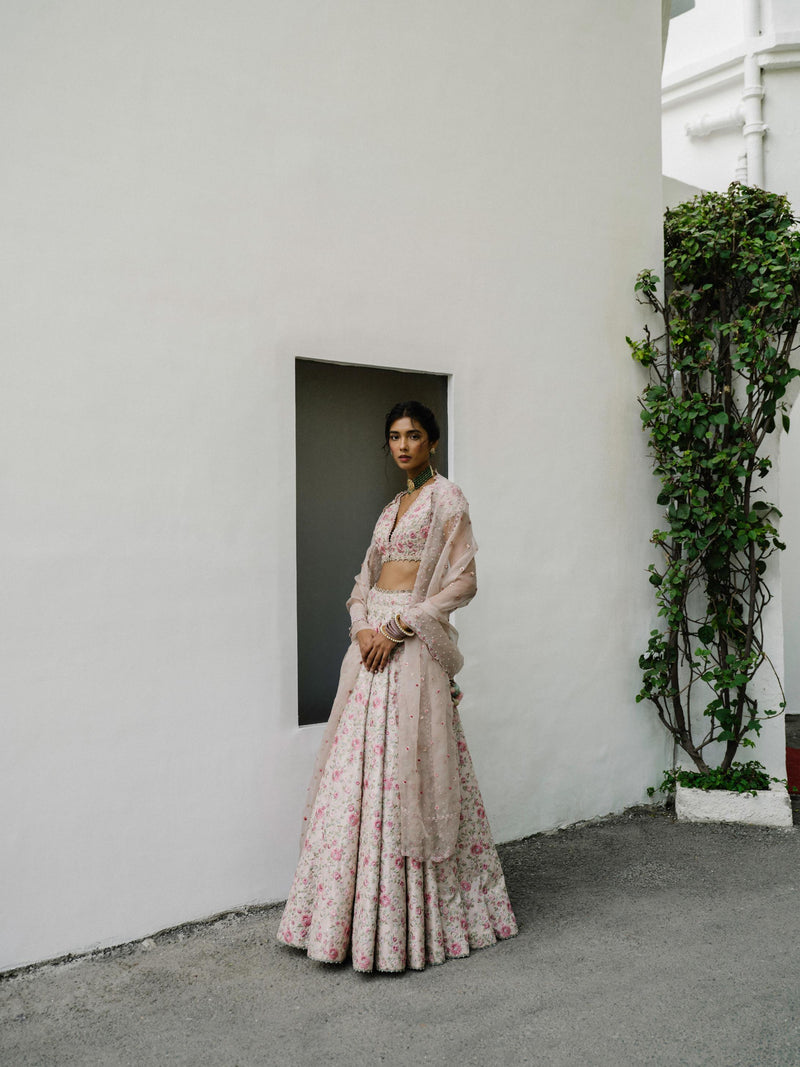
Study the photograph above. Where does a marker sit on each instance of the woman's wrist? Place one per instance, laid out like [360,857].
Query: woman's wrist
[385,631]
[396,630]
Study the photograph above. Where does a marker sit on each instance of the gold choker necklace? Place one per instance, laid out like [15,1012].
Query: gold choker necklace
[416,483]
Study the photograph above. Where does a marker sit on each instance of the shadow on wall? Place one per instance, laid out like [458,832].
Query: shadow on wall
[344,479]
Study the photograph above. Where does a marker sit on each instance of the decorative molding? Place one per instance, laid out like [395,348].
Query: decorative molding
[775,51]
[701,79]
[781,59]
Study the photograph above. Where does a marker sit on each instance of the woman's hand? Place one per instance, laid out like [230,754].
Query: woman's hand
[375,649]
[365,639]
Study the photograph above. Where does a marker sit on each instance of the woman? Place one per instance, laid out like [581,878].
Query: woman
[398,863]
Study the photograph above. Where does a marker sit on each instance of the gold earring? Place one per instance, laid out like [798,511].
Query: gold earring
[433,451]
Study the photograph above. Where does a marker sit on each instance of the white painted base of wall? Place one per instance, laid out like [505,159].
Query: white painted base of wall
[769,807]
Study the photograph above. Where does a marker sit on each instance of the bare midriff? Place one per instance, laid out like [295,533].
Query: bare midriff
[399,575]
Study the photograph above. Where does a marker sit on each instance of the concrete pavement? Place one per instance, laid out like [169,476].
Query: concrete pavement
[642,941]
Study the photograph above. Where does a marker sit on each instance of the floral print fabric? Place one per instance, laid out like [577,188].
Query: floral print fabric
[404,538]
[354,890]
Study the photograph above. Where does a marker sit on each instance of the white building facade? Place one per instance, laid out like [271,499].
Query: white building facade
[196,197]
[731,111]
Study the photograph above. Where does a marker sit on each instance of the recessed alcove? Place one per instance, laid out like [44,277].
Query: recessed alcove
[344,478]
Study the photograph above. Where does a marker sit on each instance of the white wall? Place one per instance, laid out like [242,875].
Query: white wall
[675,192]
[710,162]
[194,195]
[703,78]
[711,26]
[780,16]
[782,115]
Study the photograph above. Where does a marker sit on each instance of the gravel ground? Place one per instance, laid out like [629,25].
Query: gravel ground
[642,941]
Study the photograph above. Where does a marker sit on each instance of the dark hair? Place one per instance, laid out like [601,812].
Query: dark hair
[412,409]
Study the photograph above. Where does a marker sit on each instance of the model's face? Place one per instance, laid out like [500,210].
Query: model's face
[410,446]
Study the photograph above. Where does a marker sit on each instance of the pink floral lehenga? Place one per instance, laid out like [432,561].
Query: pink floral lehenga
[364,884]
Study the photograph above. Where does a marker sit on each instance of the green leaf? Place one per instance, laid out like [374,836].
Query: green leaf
[729,316]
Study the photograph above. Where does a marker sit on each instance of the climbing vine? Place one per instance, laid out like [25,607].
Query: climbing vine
[718,375]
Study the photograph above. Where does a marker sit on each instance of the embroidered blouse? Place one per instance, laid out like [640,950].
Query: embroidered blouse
[404,538]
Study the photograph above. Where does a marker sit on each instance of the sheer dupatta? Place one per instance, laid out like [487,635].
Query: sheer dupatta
[430,794]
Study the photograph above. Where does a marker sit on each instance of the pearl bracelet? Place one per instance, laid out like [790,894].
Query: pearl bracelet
[393,630]
[394,640]
[401,628]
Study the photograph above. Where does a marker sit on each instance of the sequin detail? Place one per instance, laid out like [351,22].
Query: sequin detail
[403,539]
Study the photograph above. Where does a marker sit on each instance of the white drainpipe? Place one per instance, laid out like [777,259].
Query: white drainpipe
[753,95]
[728,120]
[748,114]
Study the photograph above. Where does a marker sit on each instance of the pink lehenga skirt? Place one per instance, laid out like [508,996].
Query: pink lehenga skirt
[353,889]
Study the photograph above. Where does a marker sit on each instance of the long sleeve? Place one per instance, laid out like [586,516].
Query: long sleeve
[357,601]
